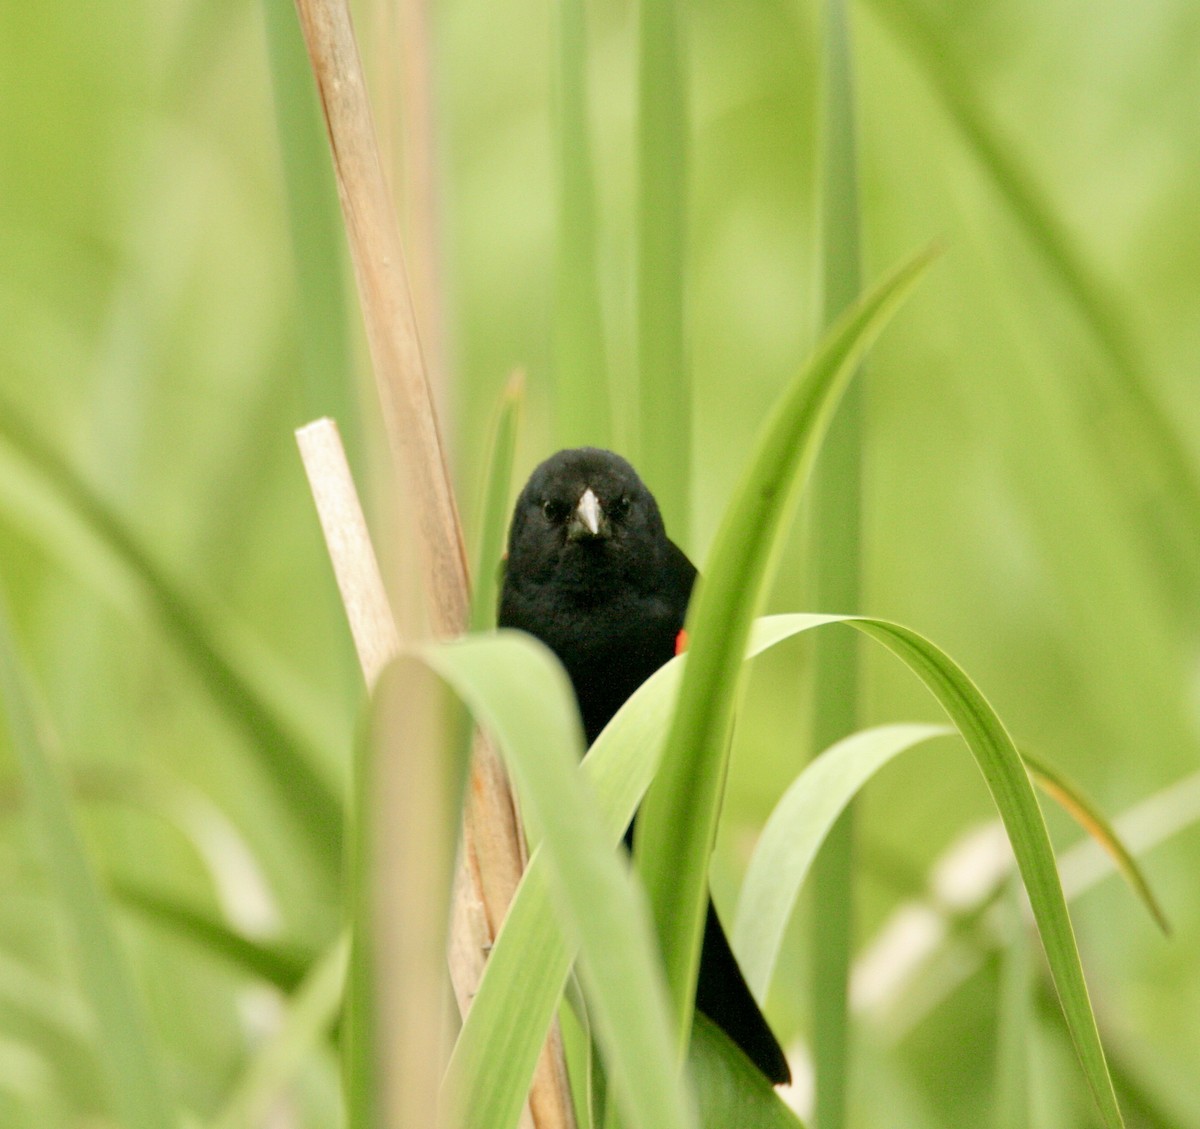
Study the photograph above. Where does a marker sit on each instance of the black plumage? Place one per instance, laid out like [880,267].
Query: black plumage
[591,572]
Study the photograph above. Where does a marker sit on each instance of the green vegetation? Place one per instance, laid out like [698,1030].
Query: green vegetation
[664,217]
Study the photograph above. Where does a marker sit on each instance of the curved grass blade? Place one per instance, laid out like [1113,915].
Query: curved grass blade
[731,1089]
[312,1013]
[53,1005]
[794,833]
[516,688]
[802,818]
[1158,439]
[126,1049]
[958,951]
[495,506]
[530,961]
[531,958]
[1076,803]
[287,761]
[1012,792]
[1154,820]
[284,966]
[678,821]
[1014,1022]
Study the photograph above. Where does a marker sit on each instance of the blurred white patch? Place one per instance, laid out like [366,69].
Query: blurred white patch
[964,876]
[799,1096]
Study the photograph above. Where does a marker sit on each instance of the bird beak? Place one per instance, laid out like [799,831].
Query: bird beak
[588,518]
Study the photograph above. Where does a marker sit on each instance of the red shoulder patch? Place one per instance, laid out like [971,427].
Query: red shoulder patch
[681,641]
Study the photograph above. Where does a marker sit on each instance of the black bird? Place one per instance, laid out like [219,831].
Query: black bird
[591,572]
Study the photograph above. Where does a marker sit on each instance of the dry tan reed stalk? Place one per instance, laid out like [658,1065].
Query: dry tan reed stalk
[386,301]
[354,565]
[492,836]
[403,85]
[472,928]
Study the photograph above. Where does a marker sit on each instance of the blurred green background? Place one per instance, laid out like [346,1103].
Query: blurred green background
[1019,511]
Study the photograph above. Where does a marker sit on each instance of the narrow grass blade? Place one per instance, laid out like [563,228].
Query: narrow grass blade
[581,394]
[1009,784]
[495,506]
[531,958]
[129,1055]
[312,1013]
[957,951]
[678,820]
[835,553]
[519,692]
[664,451]
[1154,820]
[1158,440]
[511,1012]
[29,994]
[794,833]
[358,1015]
[1014,1023]
[283,966]
[321,322]
[406,823]
[732,1090]
[1142,1098]
[286,760]
[1075,802]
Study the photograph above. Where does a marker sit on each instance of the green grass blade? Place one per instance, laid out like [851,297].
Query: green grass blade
[516,689]
[678,820]
[732,1090]
[581,395]
[287,763]
[312,1013]
[801,820]
[1075,802]
[359,1082]
[1013,794]
[406,820]
[1139,1095]
[1155,820]
[1157,438]
[27,994]
[315,228]
[284,966]
[1014,1024]
[836,506]
[793,834]
[511,1012]
[530,960]
[128,1053]
[664,452]
[495,506]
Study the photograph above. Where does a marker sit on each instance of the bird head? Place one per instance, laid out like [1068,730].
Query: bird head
[585,518]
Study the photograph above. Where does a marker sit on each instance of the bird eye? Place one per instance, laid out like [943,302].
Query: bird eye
[620,507]
[555,512]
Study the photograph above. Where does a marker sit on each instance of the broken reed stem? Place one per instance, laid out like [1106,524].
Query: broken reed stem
[492,836]
[354,565]
[474,923]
